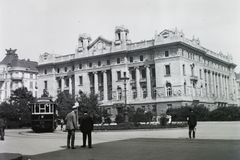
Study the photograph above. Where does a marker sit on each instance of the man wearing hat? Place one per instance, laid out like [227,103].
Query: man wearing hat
[86,128]
[71,126]
[192,123]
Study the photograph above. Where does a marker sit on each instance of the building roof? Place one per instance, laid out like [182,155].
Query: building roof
[12,60]
[10,56]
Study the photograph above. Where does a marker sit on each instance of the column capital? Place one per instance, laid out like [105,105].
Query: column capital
[137,67]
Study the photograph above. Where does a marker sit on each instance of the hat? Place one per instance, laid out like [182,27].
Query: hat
[74,107]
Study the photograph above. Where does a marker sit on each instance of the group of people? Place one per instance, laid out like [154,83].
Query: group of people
[86,127]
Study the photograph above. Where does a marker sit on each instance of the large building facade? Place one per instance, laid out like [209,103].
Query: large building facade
[16,73]
[168,71]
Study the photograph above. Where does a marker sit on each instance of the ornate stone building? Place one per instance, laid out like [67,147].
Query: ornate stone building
[169,70]
[15,73]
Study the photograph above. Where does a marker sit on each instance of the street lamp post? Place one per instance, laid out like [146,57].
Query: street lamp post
[125,79]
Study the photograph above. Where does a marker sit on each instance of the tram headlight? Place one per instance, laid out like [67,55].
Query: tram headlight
[42,116]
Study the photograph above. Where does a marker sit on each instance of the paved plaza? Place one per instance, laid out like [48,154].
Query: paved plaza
[214,140]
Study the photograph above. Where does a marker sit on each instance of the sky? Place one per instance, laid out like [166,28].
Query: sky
[34,27]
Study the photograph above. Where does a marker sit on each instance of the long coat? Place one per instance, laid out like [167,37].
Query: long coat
[86,124]
[71,120]
[192,119]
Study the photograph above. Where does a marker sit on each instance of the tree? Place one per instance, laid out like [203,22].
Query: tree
[65,101]
[89,102]
[20,98]
[8,111]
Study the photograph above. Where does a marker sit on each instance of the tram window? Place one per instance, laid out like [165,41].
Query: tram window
[51,107]
[33,109]
[37,108]
[42,108]
[47,108]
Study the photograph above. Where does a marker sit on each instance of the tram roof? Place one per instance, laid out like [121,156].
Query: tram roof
[44,100]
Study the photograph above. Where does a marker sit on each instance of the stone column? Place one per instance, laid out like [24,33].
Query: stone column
[70,84]
[207,82]
[138,87]
[105,91]
[213,83]
[62,81]
[227,84]
[96,82]
[148,82]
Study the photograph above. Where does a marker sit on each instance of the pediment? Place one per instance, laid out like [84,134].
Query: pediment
[100,43]
[45,55]
[165,33]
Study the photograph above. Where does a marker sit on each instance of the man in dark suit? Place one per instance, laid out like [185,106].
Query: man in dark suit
[86,127]
[192,123]
[71,126]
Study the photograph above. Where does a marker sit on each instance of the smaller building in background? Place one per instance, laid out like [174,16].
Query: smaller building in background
[16,73]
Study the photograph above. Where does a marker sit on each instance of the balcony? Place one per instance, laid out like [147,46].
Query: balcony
[143,80]
[194,78]
[132,81]
[16,78]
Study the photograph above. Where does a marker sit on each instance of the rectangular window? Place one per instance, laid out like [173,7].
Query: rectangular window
[80,66]
[31,76]
[118,60]
[133,73]
[99,63]
[141,58]
[80,80]
[58,70]
[90,64]
[167,70]
[200,73]
[118,75]
[131,59]
[65,69]
[67,82]
[143,73]
[154,108]
[108,62]
[184,71]
[153,73]
[45,85]
[73,68]
[31,85]
[166,54]
[45,71]
[169,105]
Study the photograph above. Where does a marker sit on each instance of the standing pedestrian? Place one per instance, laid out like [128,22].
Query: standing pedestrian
[192,123]
[62,122]
[86,128]
[71,126]
[2,127]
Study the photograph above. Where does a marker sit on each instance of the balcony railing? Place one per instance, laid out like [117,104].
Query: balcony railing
[194,78]
[15,78]
[142,80]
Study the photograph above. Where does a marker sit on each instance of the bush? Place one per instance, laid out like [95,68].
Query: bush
[225,114]
[163,121]
[180,114]
[119,119]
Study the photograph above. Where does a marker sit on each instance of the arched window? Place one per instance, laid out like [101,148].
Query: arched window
[185,88]
[134,92]
[144,91]
[169,89]
[119,90]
